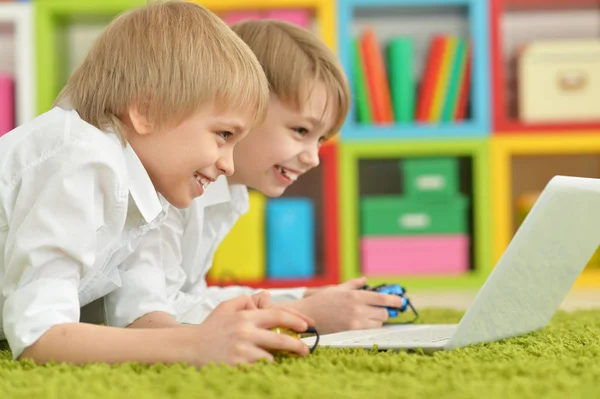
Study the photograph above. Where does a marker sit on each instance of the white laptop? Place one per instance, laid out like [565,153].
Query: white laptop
[536,272]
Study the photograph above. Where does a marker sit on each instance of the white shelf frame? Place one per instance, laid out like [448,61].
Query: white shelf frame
[21,16]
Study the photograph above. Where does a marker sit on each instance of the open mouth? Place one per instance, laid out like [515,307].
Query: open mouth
[202,180]
[287,174]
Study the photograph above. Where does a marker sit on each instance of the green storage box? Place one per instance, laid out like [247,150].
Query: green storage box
[400,215]
[430,178]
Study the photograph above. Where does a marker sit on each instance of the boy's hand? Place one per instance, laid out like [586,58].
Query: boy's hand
[237,331]
[262,300]
[346,307]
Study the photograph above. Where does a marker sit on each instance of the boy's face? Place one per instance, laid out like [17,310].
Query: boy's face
[181,161]
[285,146]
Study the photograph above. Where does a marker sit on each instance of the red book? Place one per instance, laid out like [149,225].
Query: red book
[377,82]
[465,90]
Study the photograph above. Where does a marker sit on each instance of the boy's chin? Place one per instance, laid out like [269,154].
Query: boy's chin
[273,191]
[178,201]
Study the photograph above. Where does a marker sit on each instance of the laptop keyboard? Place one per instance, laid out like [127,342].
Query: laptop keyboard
[427,334]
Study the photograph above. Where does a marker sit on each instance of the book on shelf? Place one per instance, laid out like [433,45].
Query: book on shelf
[385,87]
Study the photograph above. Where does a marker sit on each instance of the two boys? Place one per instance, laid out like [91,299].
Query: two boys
[91,188]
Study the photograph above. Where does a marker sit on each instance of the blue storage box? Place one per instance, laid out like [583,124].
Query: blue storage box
[290,238]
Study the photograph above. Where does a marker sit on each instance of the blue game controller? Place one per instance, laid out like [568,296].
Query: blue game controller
[395,289]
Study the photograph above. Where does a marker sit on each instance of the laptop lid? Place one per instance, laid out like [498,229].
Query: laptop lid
[540,265]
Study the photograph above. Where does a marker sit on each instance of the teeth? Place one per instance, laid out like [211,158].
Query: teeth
[200,179]
[290,175]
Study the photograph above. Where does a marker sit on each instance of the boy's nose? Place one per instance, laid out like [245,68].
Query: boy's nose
[225,164]
[310,157]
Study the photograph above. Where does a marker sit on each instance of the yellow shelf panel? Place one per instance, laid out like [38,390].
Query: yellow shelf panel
[588,279]
[502,149]
[542,144]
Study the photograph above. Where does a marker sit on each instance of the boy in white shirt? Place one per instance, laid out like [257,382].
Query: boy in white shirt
[149,119]
[309,102]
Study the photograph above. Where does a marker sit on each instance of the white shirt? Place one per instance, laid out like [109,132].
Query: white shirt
[74,204]
[191,237]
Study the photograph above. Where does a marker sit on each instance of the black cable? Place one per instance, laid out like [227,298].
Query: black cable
[312,330]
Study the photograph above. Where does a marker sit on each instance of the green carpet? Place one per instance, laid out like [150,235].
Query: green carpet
[561,360]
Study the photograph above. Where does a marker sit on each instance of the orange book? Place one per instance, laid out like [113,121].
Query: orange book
[377,81]
[429,78]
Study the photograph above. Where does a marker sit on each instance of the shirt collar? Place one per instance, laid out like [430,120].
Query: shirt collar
[141,188]
[240,199]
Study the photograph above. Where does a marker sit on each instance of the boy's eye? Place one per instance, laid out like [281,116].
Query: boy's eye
[225,135]
[322,140]
[300,130]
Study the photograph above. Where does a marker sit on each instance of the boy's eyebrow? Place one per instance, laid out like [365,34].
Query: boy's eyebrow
[314,121]
[233,126]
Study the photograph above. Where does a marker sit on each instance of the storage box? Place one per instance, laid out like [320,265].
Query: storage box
[233,17]
[298,16]
[395,215]
[415,255]
[430,178]
[290,238]
[241,255]
[7,104]
[559,81]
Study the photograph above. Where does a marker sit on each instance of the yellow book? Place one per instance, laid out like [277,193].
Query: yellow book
[441,86]
[241,255]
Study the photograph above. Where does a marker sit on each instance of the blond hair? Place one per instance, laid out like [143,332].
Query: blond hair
[170,58]
[292,56]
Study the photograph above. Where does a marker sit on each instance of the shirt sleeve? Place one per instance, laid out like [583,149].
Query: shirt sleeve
[52,239]
[143,287]
[194,308]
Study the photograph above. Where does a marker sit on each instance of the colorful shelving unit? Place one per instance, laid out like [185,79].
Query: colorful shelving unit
[475,149]
[475,13]
[407,141]
[327,263]
[490,143]
[533,151]
[52,18]
[505,121]
[19,17]
[504,150]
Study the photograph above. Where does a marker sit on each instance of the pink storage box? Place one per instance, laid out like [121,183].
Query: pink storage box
[415,255]
[296,16]
[7,104]
[233,17]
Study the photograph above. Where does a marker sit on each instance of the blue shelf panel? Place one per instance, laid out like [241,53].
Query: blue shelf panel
[399,132]
[479,124]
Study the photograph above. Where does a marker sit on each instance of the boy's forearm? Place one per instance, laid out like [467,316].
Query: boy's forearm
[81,343]
[155,320]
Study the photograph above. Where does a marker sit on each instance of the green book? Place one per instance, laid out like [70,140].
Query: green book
[363,111]
[402,82]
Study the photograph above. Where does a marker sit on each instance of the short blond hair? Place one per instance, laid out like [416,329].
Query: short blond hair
[292,56]
[172,58]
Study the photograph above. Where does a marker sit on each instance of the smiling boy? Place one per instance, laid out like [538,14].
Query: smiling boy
[308,105]
[152,113]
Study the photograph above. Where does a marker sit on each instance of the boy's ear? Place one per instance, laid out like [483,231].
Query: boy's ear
[139,119]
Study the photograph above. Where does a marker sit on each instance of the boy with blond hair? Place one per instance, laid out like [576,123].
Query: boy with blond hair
[308,105]
[146,122]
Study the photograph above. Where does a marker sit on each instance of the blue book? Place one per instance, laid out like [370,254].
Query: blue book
[290,238]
